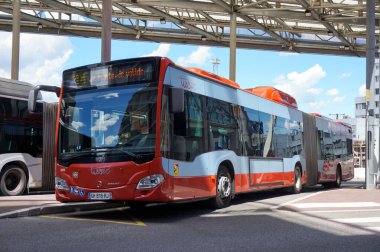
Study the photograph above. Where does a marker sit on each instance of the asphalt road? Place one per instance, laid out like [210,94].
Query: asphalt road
[255,222]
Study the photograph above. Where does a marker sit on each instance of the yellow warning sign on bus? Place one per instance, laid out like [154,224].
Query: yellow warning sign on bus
[175,169]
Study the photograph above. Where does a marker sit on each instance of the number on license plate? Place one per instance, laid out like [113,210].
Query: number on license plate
[100,196]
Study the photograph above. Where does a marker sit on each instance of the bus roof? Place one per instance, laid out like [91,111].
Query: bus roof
[213,76]
[331,120]
[15,88]
[275,95]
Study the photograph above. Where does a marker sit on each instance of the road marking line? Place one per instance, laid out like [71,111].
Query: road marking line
[358,220]
[377,229]
[341,211]
[136,222]
[295,200]
[335,205]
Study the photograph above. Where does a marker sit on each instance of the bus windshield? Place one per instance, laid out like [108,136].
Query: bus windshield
[117,120]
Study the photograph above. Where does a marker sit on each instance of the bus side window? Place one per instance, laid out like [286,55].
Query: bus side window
[165,125]
[281,131]
[178,145]
[267,134]
[188,139]
[251,128]
[223,127]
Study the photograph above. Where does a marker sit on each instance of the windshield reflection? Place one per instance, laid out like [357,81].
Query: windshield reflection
[102,120]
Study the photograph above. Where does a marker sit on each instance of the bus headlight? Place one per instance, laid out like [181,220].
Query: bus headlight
[61,184]
[150,182]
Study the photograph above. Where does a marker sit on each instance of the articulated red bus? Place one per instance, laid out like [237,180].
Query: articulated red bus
[146,130]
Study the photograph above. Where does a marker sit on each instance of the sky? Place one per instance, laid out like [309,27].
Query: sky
[321,84]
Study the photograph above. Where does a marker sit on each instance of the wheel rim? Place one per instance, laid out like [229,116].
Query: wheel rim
[12,180]
[224,186]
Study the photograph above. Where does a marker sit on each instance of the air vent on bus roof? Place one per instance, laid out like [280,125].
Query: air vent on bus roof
[345,124]
[320,116]
[213,76]
[274,94]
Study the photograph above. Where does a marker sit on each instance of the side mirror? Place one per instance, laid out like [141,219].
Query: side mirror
[34,95]
[177,100]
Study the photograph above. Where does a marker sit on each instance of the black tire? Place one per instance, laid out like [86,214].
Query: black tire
[328,185]
[297,185]
[137,206]
[223,189]
[337,182]
[13,181]
[338,178]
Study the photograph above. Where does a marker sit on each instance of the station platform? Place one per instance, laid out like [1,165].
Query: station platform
[13,203]
[41,204]
[351,196]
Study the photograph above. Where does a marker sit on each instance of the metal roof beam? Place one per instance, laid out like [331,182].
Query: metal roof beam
[254,22]
[207,16]
[68,8]
[33,18]
[193,5]
[180,22]
[247,44]
[124,9]
[329,27]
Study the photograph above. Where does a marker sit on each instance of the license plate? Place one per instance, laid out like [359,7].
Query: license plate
[100,196]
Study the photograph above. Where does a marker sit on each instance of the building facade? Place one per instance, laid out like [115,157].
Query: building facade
[358,123]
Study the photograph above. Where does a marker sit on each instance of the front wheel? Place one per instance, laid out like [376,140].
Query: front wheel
[297,186]
[137,206]
[12,181]
[223,189]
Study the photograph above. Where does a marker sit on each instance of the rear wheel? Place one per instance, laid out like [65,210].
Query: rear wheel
[12,181]
[297,186]
[338,178]
[337,182]
[223,189]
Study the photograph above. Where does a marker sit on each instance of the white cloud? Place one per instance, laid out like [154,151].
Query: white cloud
[315,91]
[339,99]
[319,105]
[345,75]
[104,123]
[301,85]
[332,92]
[162,50]
[198,57]
[362,90]
[111,140]
[42,57]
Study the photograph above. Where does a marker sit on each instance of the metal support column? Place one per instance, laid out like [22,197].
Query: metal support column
[370,63]
[15,40]
[106,30]
[232,42]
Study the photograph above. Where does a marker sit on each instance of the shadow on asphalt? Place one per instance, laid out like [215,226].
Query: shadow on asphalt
[172,212]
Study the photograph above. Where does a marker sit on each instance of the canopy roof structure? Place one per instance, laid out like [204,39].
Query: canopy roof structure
[336,27]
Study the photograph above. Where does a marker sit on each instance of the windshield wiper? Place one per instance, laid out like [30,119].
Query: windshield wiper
[110,149]
[73,155]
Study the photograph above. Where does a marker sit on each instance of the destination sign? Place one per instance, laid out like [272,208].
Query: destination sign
[109,75]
